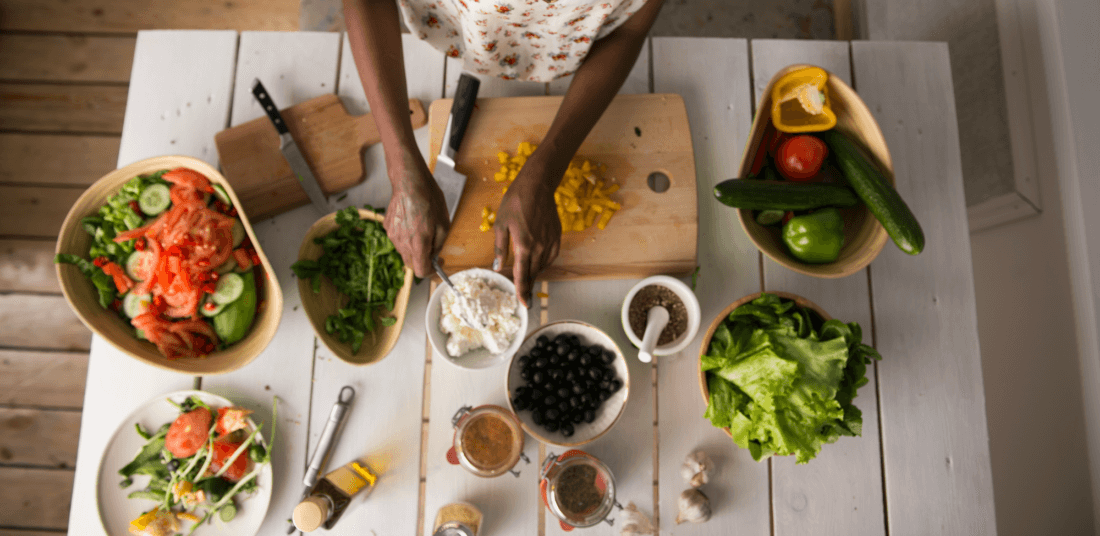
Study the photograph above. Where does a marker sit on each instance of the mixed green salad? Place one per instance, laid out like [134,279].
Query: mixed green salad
[782,380]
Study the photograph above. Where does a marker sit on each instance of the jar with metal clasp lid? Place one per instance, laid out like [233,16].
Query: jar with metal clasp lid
[578,489]
[488,441]
[457,519]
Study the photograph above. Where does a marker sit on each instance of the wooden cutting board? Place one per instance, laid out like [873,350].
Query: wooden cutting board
[331,141]
[654,233]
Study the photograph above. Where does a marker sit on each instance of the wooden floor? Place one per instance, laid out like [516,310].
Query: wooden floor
[64,74]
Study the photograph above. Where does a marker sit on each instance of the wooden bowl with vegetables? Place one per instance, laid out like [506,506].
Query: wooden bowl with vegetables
[352,246]
[183,328]
[846,192]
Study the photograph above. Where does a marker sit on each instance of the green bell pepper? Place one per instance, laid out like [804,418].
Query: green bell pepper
[815,238]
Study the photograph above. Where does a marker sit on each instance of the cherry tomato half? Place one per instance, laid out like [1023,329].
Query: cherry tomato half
[188,432]
[801,157]
[221,451]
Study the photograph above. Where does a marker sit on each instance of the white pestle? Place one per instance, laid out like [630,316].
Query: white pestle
[656,321]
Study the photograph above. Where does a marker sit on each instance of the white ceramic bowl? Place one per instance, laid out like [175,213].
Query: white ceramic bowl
[611,409]
[479,358]
[690,302]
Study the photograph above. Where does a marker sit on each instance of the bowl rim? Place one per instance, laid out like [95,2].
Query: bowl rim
[799,300]
[435,301]
[318,324]
[626,385]
[273,294]
[695,314]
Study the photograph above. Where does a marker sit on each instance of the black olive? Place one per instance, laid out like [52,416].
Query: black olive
[556,374]
[173,464]
[616,384]
[604,385]
[538,378]
[536,394]
[524,360]
[563,392]
[536,417]
[608,374]
[542,341]
[551,426]
[561,339]
[585,360]
[573,340]
[577,388]
[522,390]
[550,400]
[555,360]
[567,429]
[577,416]
[589,416]
[573,355]
[564,407]
[586,399]
[570,376]
[552,414]
[608,357]
[520,403]
[574,401]
[541,363]
[595,374]
[525,374]
[604,395]
[562,351]
[592,350]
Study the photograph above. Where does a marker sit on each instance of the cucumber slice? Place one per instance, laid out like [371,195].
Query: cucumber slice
[140,334]
[238,232]
[230,286]
[209,308]
[229,265]
[132,263]
[136,304]
[154,199]
[234,322]
[222,195]
[769,217]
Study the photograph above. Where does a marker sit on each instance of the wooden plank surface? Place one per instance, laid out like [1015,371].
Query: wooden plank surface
[208,59]
[56,159]
[21,532]
[42,379]
[66,58]
[33,211]
[23,315]
[27,265]
[389,393]
[301,63]
[40,437]
[136,15]
[718,94]
[840,492]
[62,108]
[935,439]
[36,498]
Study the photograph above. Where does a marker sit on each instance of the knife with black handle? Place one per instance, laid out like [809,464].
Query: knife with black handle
[290,150]
[452,182]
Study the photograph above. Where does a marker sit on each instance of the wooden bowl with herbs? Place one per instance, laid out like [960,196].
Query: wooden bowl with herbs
[352,246]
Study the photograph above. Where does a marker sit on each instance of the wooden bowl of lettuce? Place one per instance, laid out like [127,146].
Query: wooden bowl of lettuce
[772,356]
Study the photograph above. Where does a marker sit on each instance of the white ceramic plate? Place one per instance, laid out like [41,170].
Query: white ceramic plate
[479,358]
[116,510]
[611,409]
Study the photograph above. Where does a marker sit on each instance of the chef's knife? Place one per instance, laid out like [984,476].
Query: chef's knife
[327,440]
[449,180]
[290,150]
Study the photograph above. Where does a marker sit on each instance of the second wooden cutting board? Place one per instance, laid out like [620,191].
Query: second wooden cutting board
[638,135]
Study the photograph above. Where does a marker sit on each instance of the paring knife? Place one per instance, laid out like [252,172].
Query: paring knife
[290,150]
[449,180]
[328,439]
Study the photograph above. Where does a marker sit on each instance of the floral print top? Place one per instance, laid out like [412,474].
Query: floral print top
[529,40]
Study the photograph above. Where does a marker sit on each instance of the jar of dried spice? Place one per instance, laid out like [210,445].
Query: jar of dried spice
[578,489]
[488,440]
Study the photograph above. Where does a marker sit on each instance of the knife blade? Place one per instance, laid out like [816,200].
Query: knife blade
[290,150]
[451,181]
[325,443]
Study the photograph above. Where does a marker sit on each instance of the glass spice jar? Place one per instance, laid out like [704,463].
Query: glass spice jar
[457,519]
[488,441]
[578,489]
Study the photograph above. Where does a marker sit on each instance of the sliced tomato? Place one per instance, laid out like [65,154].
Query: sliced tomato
[244,260]
[189,179]
[122,281]
[221,452]
[188,432]
[231,419]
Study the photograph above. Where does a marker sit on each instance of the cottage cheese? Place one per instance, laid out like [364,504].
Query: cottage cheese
[493,309]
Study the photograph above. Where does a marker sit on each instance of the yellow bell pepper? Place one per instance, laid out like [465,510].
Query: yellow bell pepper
[800,102]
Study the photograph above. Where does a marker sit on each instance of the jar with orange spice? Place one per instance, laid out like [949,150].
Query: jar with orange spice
[488,441]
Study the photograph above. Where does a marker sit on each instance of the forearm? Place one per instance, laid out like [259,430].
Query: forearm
[594,85]
[375,36]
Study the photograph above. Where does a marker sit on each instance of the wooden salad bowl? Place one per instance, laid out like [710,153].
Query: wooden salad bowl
[320,305]
[864,236]
[798,300]
[83,299]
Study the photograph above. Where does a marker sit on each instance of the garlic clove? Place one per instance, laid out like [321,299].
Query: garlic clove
[696,468]
[694,507]
[636,523]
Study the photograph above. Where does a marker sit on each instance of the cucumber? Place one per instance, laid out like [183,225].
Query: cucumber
[877,193]
[784,196]
[136,304]
[238,232]
[230,287]
[228,266]
[234,321]
[132,263]
[222,195]
[154,199]
[208,308]
[769,217]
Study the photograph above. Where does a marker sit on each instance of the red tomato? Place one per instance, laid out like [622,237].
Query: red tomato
[188,433]
[801,157]
[222,450]
[232,419]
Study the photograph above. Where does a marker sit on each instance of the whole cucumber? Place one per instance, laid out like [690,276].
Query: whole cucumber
[780,195]
[877,193]
[233,322]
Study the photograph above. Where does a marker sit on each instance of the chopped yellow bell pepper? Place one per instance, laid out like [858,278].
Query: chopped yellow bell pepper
[800,101]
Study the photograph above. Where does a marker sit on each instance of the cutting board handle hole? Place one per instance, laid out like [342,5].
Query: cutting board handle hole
[658,182]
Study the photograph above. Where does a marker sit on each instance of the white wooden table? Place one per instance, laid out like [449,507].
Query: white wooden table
[922,466]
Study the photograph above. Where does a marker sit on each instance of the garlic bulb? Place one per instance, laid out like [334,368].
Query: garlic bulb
[636,523]
[694,507]
[696,469]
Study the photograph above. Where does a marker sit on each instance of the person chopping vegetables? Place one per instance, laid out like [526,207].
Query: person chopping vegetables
[596,42]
